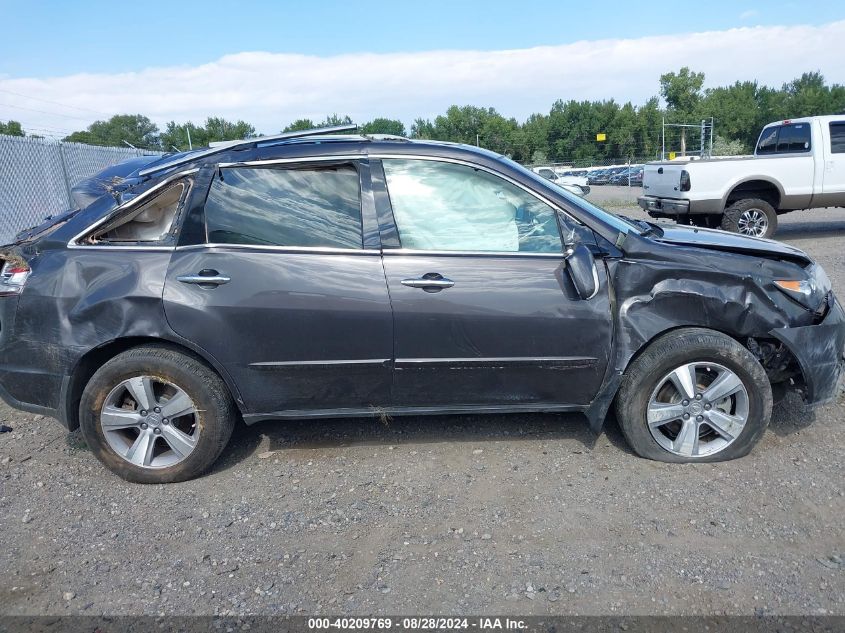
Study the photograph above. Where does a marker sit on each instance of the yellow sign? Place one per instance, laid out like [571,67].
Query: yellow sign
[672,155]
[601,136]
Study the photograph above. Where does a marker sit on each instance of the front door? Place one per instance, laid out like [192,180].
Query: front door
[283,293]
[485,314]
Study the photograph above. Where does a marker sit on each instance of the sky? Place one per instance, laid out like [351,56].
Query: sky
[64,65]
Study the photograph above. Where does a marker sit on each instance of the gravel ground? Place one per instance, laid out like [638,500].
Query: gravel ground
[456,515]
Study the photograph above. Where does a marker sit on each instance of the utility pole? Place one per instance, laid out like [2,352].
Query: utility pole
[188,130]
[663,140]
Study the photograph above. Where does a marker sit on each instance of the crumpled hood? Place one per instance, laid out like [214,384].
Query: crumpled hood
[731,242]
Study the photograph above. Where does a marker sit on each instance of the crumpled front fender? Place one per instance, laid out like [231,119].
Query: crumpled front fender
[819,351]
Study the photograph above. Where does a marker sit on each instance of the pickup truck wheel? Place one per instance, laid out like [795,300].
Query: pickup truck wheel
[155,415]
[694,395]
[751,216]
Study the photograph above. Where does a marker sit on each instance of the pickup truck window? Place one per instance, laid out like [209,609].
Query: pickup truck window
[785,139]
[837,137]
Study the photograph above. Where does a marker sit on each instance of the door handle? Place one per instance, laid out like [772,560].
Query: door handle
[431,282]
[205,278]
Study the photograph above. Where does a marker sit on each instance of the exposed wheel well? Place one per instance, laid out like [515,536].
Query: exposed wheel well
[761,189]
[778,362]
[95,358]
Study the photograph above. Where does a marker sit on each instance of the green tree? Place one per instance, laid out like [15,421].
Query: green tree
[215,129]
[11,128]
[299,125]
[682,90]
[135,129]
[384,126]
[724,147]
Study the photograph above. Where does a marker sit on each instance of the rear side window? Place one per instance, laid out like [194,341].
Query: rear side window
[306,207]
[837,137]
[785,139]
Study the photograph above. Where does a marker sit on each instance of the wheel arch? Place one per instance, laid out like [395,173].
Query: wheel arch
[93,359]
[755,187]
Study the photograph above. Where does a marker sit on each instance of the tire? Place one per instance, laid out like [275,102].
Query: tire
[751,216]
[715,356]
[145,446]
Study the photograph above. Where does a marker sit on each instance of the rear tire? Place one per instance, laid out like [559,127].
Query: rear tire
[651,410]
[751,216]
[155,415]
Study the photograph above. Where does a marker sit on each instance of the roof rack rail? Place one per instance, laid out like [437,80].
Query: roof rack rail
[253,142]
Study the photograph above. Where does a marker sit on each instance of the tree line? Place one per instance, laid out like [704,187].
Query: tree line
[567,133]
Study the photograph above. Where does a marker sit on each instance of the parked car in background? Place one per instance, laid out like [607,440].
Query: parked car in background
[623,177]
[797,164]
[603,177]
[567,178]
[317,275]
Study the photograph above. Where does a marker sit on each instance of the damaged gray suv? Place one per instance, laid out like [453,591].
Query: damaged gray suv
[321,275]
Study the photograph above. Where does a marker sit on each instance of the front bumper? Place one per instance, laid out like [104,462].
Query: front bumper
[820,352]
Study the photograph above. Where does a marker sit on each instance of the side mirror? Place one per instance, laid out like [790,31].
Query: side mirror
[581,266]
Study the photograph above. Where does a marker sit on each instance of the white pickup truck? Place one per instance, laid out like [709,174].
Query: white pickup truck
[797,164]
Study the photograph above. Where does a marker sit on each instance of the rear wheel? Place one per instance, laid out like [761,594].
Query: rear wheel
[694,395]
[751,216]
[155,415]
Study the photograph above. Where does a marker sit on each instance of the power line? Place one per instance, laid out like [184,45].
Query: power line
[66,105]
[56,114]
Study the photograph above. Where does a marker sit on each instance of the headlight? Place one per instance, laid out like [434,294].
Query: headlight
[808,292]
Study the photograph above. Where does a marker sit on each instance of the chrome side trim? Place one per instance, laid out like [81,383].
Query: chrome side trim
[139,199]
[299,159]
[562,361]
[410,251]
[325,250]
[318,363]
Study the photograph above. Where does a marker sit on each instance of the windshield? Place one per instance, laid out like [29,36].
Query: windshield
[612,219]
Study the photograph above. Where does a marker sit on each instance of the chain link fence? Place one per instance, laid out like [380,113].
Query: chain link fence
[36,176]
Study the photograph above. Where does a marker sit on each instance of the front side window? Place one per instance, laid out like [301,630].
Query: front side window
[448,207]
[149,222]
[301,207]
[837,137]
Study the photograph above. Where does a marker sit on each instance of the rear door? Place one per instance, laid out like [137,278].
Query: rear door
[485,314]
[286,291]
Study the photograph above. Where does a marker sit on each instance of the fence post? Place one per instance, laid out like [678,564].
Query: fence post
[65,174]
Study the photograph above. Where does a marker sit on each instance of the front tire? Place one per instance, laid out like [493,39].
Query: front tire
[155,415]
[694,395]
[751,216]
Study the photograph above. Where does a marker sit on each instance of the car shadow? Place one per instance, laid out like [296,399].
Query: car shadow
[297,435]
[789,416]
[810,230]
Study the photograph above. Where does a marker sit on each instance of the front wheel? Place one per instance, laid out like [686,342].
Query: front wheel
[155,415]
[694,395]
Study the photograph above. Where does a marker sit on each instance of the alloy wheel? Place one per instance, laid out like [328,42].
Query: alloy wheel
[753,222]
[698,409]
[150,422]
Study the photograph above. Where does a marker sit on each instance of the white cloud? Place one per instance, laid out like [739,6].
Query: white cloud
[750,13]
[271,89]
